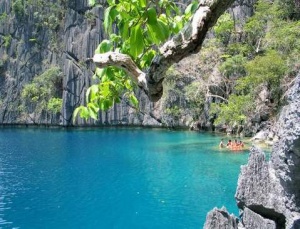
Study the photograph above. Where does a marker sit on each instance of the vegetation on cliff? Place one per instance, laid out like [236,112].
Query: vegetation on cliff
[259,61]
[31,83]
[42,96]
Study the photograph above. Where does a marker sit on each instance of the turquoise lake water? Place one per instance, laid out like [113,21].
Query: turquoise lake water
[113,178]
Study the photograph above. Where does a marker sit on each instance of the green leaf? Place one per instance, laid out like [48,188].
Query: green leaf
[147,58]
[110,74]
[92,2]
[93,111]
[114,37]
[105,104]
[109,16]
[84,112]
[92,114]
[136,41]
[191,8]
[133,100]
[75,113]
[124,28]
[87,94]
[100,72]
[91,93]
[164,29]
[104,87]
[117,100]
[178,23]
[143,3]
[103,47]
[152,16]
[154,34]
[163,18]
[158,32]
[127,84]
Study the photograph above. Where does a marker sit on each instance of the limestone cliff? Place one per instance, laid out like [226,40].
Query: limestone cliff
[64,34]
[36,37]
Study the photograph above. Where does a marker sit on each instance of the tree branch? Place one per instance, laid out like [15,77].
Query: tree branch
[122,61]
[217,96]
[185,43]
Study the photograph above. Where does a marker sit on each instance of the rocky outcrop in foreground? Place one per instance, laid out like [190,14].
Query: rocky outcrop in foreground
[268,192]
[220,218]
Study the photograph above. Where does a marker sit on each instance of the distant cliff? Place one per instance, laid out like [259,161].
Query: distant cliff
[45,48]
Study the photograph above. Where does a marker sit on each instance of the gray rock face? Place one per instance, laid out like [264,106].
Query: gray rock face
[251,220]
[272,189]
[24,54]
[255,184]
[220,218]
[286,160]
[242,9]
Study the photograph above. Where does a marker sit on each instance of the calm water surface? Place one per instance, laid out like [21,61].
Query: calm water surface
[113,178]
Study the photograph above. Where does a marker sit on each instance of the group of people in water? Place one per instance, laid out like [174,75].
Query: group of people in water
[232,145]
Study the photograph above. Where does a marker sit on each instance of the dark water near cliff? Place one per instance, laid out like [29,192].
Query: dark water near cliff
[113,178]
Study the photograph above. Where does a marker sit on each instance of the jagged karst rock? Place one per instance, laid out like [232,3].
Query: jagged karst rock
[286,156]
[256,221]
[220,218]
[272,189]
[256,183]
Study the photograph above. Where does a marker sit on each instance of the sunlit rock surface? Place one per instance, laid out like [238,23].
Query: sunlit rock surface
[220,218]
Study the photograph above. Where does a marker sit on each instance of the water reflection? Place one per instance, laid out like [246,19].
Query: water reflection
[5,198]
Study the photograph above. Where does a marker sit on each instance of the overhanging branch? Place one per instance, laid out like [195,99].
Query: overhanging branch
[185,43]
[122,61]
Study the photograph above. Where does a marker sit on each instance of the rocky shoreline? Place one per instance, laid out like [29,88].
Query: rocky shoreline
[268,192]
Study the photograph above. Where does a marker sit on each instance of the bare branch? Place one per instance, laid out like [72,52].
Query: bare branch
[122,61]
[258,46]
[216,96]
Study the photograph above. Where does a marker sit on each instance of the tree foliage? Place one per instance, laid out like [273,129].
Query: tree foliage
[44,93]
[291,8]
[267,54]
[18,8]
[233,66]
[267,69]
[235,111]
[224,28]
